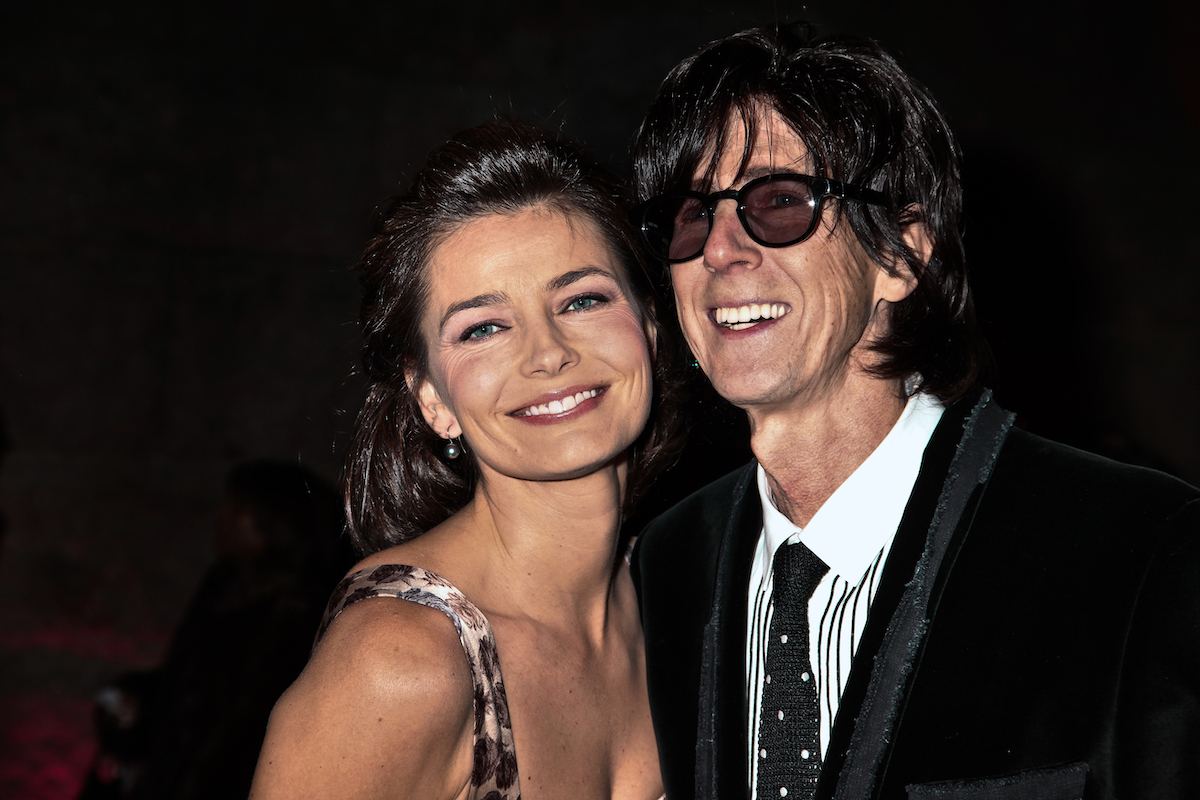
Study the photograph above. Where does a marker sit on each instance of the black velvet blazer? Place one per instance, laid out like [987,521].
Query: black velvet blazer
[1036,632]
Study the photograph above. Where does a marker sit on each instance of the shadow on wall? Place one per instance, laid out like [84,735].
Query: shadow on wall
[4,445]
[1033,274]
[193,727]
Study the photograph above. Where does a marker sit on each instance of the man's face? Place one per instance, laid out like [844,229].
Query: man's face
[774,327]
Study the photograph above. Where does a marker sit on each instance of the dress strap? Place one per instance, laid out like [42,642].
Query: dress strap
[494,774]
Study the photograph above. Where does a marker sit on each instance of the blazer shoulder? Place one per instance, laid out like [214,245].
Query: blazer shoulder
[1060,505]
[1050,469]
[704,513]
[687,538]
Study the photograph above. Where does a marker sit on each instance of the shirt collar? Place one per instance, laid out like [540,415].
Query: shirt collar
[861,517]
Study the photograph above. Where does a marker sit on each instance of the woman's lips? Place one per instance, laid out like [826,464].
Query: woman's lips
[557,406]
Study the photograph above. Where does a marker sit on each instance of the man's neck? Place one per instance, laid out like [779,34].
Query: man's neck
[808,450]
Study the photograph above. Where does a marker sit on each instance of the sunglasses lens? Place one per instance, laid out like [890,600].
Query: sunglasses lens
[780,211]
[675,227]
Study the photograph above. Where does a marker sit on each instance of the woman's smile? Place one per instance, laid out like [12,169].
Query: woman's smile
[559,407]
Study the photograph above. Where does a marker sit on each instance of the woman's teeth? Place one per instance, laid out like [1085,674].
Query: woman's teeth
[558,406]
[737,317]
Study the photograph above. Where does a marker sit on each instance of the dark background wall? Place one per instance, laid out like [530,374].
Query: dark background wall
[183,185]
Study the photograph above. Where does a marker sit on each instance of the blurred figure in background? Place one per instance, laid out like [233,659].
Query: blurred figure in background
[193,727]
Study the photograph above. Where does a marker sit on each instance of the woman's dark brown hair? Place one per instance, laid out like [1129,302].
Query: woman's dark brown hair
[397,485]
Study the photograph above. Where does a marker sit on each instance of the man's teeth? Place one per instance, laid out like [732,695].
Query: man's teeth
[558,406]
[736,317]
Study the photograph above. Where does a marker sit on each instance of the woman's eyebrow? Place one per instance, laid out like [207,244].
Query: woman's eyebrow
[478,301]
[497,298]
[567,278]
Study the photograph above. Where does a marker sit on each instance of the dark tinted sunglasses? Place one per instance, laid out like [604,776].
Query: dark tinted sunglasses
[776,211]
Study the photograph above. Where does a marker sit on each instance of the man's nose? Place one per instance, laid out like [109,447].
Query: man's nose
[728,244]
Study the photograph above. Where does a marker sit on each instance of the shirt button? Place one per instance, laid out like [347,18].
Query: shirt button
[804,677]
[768,679]
[804,754]
[762,753]
[783,639]
[783,791]
[781,713]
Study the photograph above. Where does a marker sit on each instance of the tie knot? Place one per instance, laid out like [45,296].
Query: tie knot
[796,572]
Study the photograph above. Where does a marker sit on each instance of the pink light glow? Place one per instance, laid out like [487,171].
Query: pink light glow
[142,649]
[46,746]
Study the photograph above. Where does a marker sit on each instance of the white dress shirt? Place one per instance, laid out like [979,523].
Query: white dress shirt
[852,533]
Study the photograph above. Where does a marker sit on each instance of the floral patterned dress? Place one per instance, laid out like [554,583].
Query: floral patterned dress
[494,776]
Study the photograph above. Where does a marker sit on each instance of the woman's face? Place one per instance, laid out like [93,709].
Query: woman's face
[537,354]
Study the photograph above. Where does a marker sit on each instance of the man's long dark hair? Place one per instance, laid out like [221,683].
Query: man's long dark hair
[864,121]
[397,486]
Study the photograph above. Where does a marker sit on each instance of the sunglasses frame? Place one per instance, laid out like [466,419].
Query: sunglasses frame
[821,189]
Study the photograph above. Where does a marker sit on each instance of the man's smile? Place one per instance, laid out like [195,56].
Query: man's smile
[741,317]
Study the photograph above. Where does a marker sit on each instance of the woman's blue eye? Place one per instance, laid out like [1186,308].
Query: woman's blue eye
[481,331]
[581,303]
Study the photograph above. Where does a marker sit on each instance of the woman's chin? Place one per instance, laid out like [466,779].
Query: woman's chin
[561,467]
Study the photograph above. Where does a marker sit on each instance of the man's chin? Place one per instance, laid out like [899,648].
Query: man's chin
[751,391]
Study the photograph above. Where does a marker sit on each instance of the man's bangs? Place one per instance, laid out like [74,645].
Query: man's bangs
[750,109]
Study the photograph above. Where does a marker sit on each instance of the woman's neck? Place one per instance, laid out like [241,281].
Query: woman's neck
[539,550]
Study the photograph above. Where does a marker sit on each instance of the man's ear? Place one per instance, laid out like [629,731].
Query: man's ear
[917,238]
[915,232]
[436,413]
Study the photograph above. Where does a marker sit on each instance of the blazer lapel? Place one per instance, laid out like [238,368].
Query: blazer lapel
[954,470]
[897,572]
[721,753]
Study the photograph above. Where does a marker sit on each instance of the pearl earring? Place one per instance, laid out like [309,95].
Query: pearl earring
[453,449]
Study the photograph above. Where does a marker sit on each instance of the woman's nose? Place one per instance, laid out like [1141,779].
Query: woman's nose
[549,350]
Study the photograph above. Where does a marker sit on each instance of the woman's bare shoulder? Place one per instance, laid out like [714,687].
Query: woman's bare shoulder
[384,707]
[389,643]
